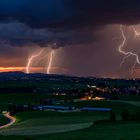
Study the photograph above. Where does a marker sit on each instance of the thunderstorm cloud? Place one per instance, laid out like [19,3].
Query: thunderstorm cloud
[89,27]
[62,21]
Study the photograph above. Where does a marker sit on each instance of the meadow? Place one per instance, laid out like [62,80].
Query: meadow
[42,125]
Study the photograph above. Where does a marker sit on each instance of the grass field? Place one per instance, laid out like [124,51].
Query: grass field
[120,131]
[130,98]
[39,125]
[25,97]
[3,120]
[6,99]
[40,84]
[125,131]
[39,122]
[116,106]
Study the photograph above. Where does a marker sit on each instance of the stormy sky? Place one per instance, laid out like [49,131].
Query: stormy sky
[87,34]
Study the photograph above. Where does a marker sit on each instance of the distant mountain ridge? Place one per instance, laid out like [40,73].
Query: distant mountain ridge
[21,75]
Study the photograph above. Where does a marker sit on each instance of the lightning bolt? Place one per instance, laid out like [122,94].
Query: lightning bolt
[135,31]
[123,60]
[128,54]
[30,60]
[133,67]
[50,62]
[132,70]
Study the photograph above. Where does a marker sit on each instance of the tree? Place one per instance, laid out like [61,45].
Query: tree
[112,116]
[125,115]
[138,115]
[132,117]
[28,138]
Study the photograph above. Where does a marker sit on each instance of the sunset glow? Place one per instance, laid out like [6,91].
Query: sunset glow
[33,69]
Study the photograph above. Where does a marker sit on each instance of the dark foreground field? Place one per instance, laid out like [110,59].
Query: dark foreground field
[42,125]
[120,131]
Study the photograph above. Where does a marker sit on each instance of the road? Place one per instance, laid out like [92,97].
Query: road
[12,120]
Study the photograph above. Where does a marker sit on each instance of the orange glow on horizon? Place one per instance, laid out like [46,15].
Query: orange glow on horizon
[32,69]
[55,70]
[5,69]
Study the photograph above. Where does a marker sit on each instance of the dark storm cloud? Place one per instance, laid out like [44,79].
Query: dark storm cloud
[19,34]
[70,13]
[87,26]
[35,13]
[61,21]
[103,12]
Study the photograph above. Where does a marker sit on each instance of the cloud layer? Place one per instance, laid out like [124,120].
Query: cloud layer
[62,21]
[69,13]
[87,26]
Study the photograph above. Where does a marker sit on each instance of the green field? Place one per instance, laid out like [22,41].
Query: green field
[25,97]
[32,98]
[129,97]
[120,131]
[39,122]
[41,84]
[3,120]
[44,125]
